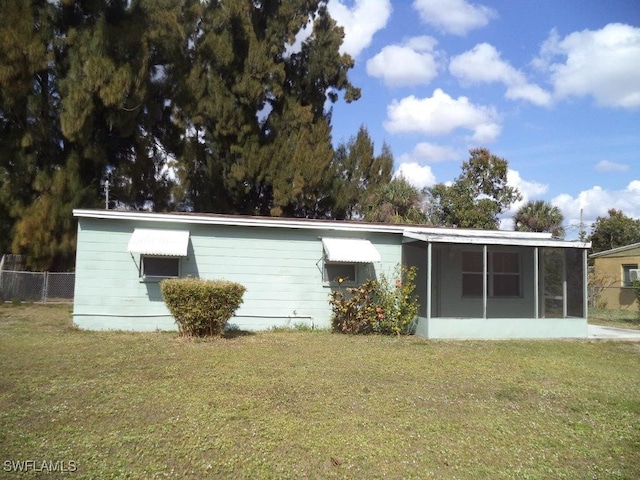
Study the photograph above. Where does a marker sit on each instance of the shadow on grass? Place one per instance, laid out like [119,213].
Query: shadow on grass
[237,333]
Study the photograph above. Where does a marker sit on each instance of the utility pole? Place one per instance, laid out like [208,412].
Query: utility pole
[583,234]
[106,194]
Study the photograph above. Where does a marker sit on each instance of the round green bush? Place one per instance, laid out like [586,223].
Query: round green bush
[201,307]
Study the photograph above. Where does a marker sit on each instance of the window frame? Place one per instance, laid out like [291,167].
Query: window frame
[144,277]
[327,281]
[492,274]
[626,282]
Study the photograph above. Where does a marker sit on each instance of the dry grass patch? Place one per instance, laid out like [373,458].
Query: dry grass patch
[615,318]
[314,404]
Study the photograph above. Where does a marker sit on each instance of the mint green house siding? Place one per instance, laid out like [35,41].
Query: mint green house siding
[470,283]
[281,268]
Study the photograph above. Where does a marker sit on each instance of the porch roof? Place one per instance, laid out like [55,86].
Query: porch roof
[492,237]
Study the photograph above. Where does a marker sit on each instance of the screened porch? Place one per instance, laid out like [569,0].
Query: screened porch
[488,289]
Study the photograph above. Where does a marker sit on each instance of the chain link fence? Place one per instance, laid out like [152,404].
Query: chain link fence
[44,287]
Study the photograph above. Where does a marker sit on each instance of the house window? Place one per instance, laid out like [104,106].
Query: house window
[503,274]
[334,272]
[626,274]
[472,274]
[152,266]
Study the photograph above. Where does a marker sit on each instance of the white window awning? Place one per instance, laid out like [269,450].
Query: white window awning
[168,243]
[350,250]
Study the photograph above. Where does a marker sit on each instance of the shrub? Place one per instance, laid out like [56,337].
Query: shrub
[353,313]
[201,307]
[376,306]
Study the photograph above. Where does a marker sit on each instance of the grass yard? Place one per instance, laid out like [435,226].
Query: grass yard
[629,319]
[295,404]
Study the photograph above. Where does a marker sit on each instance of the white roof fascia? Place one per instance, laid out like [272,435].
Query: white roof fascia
[238,221]
[350,250]
[167,243]
[468,232]
[615,250]
[496,240]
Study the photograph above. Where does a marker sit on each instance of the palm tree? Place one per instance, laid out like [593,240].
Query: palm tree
[539,216]
[395,202]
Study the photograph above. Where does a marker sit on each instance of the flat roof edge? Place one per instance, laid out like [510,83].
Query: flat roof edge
[418,232]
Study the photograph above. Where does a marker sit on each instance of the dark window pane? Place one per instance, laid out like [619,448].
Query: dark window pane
[506,285]
[472,284]
[161,267]
[505,262]
[472,262]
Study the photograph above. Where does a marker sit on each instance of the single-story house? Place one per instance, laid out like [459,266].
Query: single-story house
[470,283]
[614,272]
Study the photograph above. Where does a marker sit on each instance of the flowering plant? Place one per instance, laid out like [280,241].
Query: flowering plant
[376,306]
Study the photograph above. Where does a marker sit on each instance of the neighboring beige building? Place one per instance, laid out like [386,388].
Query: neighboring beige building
[613,274]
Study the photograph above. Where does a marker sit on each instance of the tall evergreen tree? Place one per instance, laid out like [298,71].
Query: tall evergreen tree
[31,145]
[117,96]
[355,172]
[258,135]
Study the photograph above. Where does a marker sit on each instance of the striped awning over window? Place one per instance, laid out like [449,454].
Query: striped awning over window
[351,250]
[168,243]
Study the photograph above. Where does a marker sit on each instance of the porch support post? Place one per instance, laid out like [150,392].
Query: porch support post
[536,282]
[564,283]
[585,285]
[484,281]
[429,268]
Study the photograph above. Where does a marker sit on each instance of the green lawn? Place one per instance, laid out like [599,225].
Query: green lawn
[294,404]
[616,318]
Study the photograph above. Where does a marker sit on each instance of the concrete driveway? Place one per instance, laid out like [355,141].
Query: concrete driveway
[596,331]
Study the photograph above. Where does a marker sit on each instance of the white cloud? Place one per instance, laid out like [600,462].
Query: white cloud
[608,166]
[483,64]
[599,63]
[596,202]
[441,115]
[360,22]
[412,63]
[454,16]
[417,175]
[529,92]
[430,152]
[528,190]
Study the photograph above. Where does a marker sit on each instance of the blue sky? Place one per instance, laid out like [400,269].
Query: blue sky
[552,86]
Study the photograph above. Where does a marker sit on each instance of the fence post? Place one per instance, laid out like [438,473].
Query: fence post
[45,280]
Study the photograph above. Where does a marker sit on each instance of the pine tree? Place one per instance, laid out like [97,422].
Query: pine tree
[355,171]
[258,135]
[31,144]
